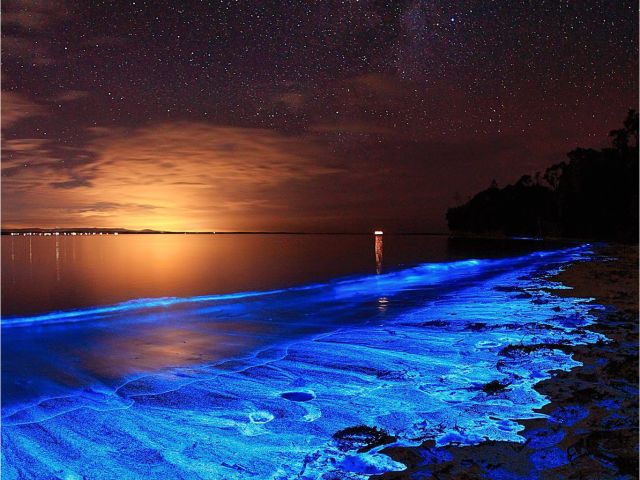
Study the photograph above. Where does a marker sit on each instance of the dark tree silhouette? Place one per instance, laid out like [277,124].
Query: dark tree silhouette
[593,195]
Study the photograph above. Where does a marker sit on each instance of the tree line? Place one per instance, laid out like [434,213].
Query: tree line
[593,195]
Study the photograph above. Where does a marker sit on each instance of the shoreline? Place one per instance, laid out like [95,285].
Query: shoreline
[592,424]
[433,354]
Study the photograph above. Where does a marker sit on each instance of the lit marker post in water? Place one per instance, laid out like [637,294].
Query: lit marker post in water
[378,250]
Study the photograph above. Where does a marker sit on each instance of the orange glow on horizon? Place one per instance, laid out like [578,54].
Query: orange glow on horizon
[181,177]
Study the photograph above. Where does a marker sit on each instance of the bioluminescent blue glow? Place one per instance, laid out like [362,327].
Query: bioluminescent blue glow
[255,384]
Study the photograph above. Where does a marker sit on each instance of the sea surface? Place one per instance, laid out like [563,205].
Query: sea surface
[43,274]
[271,356]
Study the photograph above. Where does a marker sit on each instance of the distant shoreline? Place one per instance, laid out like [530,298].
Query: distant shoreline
[458,236]
[102,231]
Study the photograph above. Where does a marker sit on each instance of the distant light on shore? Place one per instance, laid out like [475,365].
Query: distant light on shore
[378,232]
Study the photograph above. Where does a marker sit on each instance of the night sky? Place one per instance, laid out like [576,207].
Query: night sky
[290,115]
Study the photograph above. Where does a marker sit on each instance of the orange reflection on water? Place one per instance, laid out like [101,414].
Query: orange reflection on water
[378,250]
[42,274]
[149,347]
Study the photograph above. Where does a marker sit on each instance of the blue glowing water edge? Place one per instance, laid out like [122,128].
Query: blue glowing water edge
[256,384]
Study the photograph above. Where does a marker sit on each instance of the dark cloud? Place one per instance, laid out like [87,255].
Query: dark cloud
[74,183]
[110,206]
[25,25]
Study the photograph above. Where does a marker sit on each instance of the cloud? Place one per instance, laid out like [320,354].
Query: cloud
[293,100]
[70,96]
[166,176]
[222,154]
[16,107]
[32,15]
[73,183]
[24,145]
[26,28]
[107,207]
[23,153]
[26,49]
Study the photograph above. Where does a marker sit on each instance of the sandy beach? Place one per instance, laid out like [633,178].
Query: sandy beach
[591,431]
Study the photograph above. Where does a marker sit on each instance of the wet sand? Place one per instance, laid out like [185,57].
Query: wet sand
[591,431]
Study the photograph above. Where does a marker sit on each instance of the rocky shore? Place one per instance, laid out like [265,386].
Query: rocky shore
[591,428]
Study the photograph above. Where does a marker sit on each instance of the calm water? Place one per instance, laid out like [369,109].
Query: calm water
[42,274]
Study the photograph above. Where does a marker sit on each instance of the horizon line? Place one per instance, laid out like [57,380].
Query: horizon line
[125,231]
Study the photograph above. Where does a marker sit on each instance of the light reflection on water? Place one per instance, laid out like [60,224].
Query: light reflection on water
[42,274]
[378,251]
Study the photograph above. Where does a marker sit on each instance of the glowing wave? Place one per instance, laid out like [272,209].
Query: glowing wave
[418,367]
